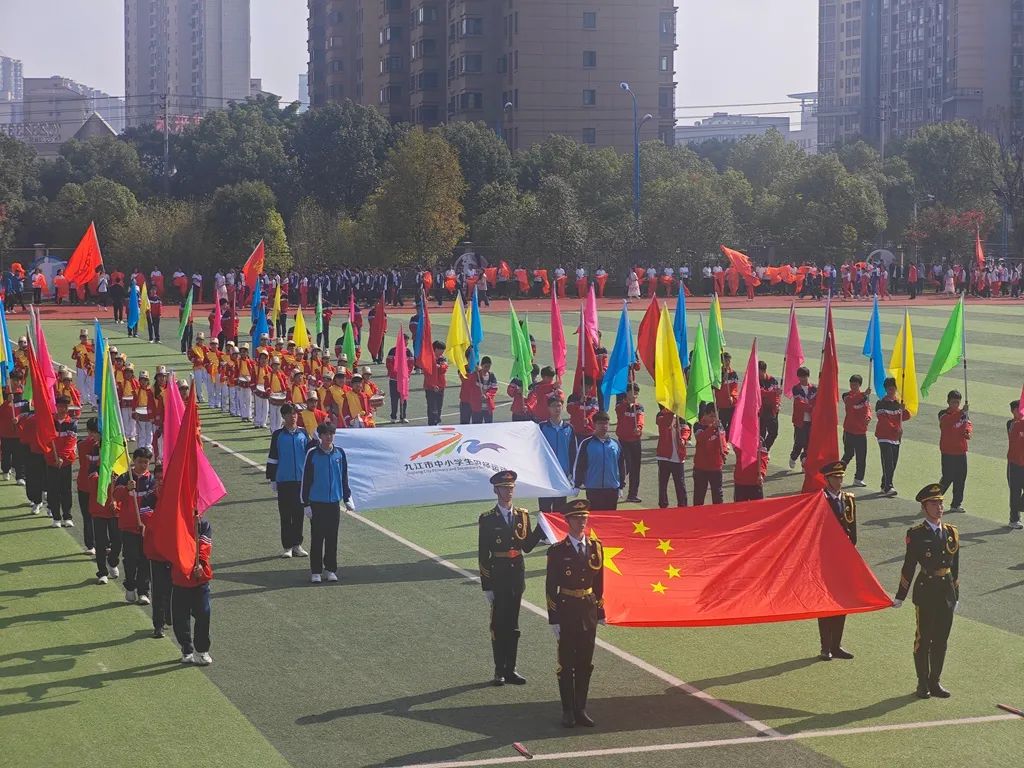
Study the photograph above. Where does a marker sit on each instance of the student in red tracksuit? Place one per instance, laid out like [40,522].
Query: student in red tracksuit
[582,408]
[1015,464]
[955,430]
[434,384]
[889,433]
[708,457]
[629,429]
[771,402]
[59,462]
[673,437]
[537,399]
[855,427]
[190,599]
[9,465]
[804,394]
[86,446]
[727,395]
[134,495]
[35,462]
[748,481]
[477,393]
[106,534]
[520,410]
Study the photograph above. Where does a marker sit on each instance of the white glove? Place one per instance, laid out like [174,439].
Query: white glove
[557,629]
[308,511]
[956,607]
[489,596]
[349,505]
[273,486]
[897,603]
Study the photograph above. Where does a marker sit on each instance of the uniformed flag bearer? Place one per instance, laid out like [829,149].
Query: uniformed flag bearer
[844,507]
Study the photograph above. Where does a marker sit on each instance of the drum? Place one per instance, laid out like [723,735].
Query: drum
[300,407]
[126,402]
[141,414]
[377,401]
[243,381]
[278,399]
[261,391]
[74,409]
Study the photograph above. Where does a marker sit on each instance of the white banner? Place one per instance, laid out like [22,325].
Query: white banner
[438,465]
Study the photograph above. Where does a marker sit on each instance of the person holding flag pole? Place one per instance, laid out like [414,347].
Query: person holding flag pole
[892,412]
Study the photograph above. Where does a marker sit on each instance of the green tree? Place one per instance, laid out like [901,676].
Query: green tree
[768,161]
[17,185]
[166,233]
[239,216]
[687,212]
[81,161]
[500,222]
[957,164]
[419,203]
[553,228]
[483,158]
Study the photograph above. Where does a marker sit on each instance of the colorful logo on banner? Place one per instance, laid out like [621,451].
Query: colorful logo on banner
[453,442]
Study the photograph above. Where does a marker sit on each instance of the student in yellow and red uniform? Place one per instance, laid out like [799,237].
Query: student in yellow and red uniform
[955,431]
[356,409]
[144,409]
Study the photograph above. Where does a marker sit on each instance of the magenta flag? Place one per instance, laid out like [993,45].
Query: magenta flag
[402,365]
[794,356]
[745,430]
[43,356]
[216,325]
[352,312]
[590,315]
[558,346]
[210,488]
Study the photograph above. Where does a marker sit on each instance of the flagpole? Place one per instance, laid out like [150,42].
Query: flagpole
[963,345]
[824,335]
[785,349]
[903,370]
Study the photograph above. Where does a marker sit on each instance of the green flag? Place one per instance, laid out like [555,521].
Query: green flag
[113,446]
[716,346]
[319,314]
[186,315]
[522,358]
[348,345]
[950,350]
[698,389]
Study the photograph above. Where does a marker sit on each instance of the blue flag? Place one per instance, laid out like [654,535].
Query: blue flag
[8,364]
[101,353]
[261,327]
[622,357]
[873,349]
[679,328]
[476,335]
[257,301]
[133,305]
[417,342]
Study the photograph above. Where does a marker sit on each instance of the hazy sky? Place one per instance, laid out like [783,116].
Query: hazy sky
[730,51]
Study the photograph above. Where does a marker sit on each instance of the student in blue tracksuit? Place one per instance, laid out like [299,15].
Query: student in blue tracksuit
[560,437]
[600,466]
[288,448]
[324,488]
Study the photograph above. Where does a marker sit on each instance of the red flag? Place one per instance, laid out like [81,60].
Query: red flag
[741,263]
[45,431]
[352,311]
[794,355]
[979,250]
[586,358]
[401,365]
[426,359]
[172,528]
[254,265]
[823,442]
[745,430]
[781,559]
[217,323]
[647,336]
[558,345]
[86,259]
[378,327]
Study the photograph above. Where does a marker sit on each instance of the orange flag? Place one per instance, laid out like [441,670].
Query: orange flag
[86,259]
[979,249]
[741,263]
[254,265]
[780,559]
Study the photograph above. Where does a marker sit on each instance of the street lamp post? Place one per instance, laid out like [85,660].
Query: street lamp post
[637,123]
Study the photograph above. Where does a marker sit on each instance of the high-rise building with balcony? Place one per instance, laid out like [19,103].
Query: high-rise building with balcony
[12,89]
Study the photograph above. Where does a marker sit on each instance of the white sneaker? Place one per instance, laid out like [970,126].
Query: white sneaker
[130,596]
[332,576]
[299,552]
[36,508]
[405,421]
[69,523]
[315,578]
[1016,526]
[187,658]
[102,580]
[10,474]
[114,573]
[55,524]
[286,553]
[203,659]
[21,482]
[89,551]
[792,463]
[144,599]
[891,492]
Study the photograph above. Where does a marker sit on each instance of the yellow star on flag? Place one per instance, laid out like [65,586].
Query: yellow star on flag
[665,545]
[672,571]
[640,528]
[659,588]
[609,554]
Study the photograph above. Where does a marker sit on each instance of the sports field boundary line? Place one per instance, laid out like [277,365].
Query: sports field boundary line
[710,743]
[763,729]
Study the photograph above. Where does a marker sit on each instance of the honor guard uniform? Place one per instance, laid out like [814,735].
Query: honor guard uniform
[935,546]
[844,507]
[575,600]
[505,534]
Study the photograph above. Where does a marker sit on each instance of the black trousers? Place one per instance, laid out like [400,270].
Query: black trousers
[703,480]
[725,416]
[769,430]
[551,503]
[323,535]
[465,413]
[576,638]
[747,492]
[855,446]
[603,499]
[890,453]
[830,632]
[1015,479]
[118,311]
[954,472]
[35,476]
[106,535]
[398,406]
[800,437]
[58,491]
[934,622]
[160,578]
[676,472]
[188,603]
[481,417]
[87,531]
[289,508]
[631,456]
[136,565]
[435,403]
[154,330]
[9,456]
[505,629]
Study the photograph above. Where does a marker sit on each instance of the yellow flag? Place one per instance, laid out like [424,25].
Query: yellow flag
[902,367]
[716,307]
[275,310]
[457,343]
[144,307]
[669,382]
[300,335]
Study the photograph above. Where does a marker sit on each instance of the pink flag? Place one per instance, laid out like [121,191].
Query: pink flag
[590,315]
[402,365]
[210,488]
[352,310]
[745,430]
[794,355]
[1020,408]
[216,325]
[43,356]
[558,346]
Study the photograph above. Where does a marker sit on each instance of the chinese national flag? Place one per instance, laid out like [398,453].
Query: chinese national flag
[172,528]
[86,259]
[781,559]
[254,265]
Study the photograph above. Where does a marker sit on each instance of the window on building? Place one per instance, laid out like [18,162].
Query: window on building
[589,97]
[471,27]
[515,60]
[428,81]
[390,93]
[425,14]
[337,65]
[471,63]
[502,64]
[390,6]
[471,100]
[667,25]
[665,63]
[390,34]
[590,136]
[428,114]
[590,19]
[665,99]
[590,59]
[391,64]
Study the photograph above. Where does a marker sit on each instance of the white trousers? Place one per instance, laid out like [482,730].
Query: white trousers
[262,412]
[275,417]
[225,397]
[129,423]
[202,379]
[145,430]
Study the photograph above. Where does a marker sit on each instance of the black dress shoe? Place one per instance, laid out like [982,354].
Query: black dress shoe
[825,656]
[514,678]
[582,718]
[937,690]
[568,720]
[498,681]
[922,691]
[841,653]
